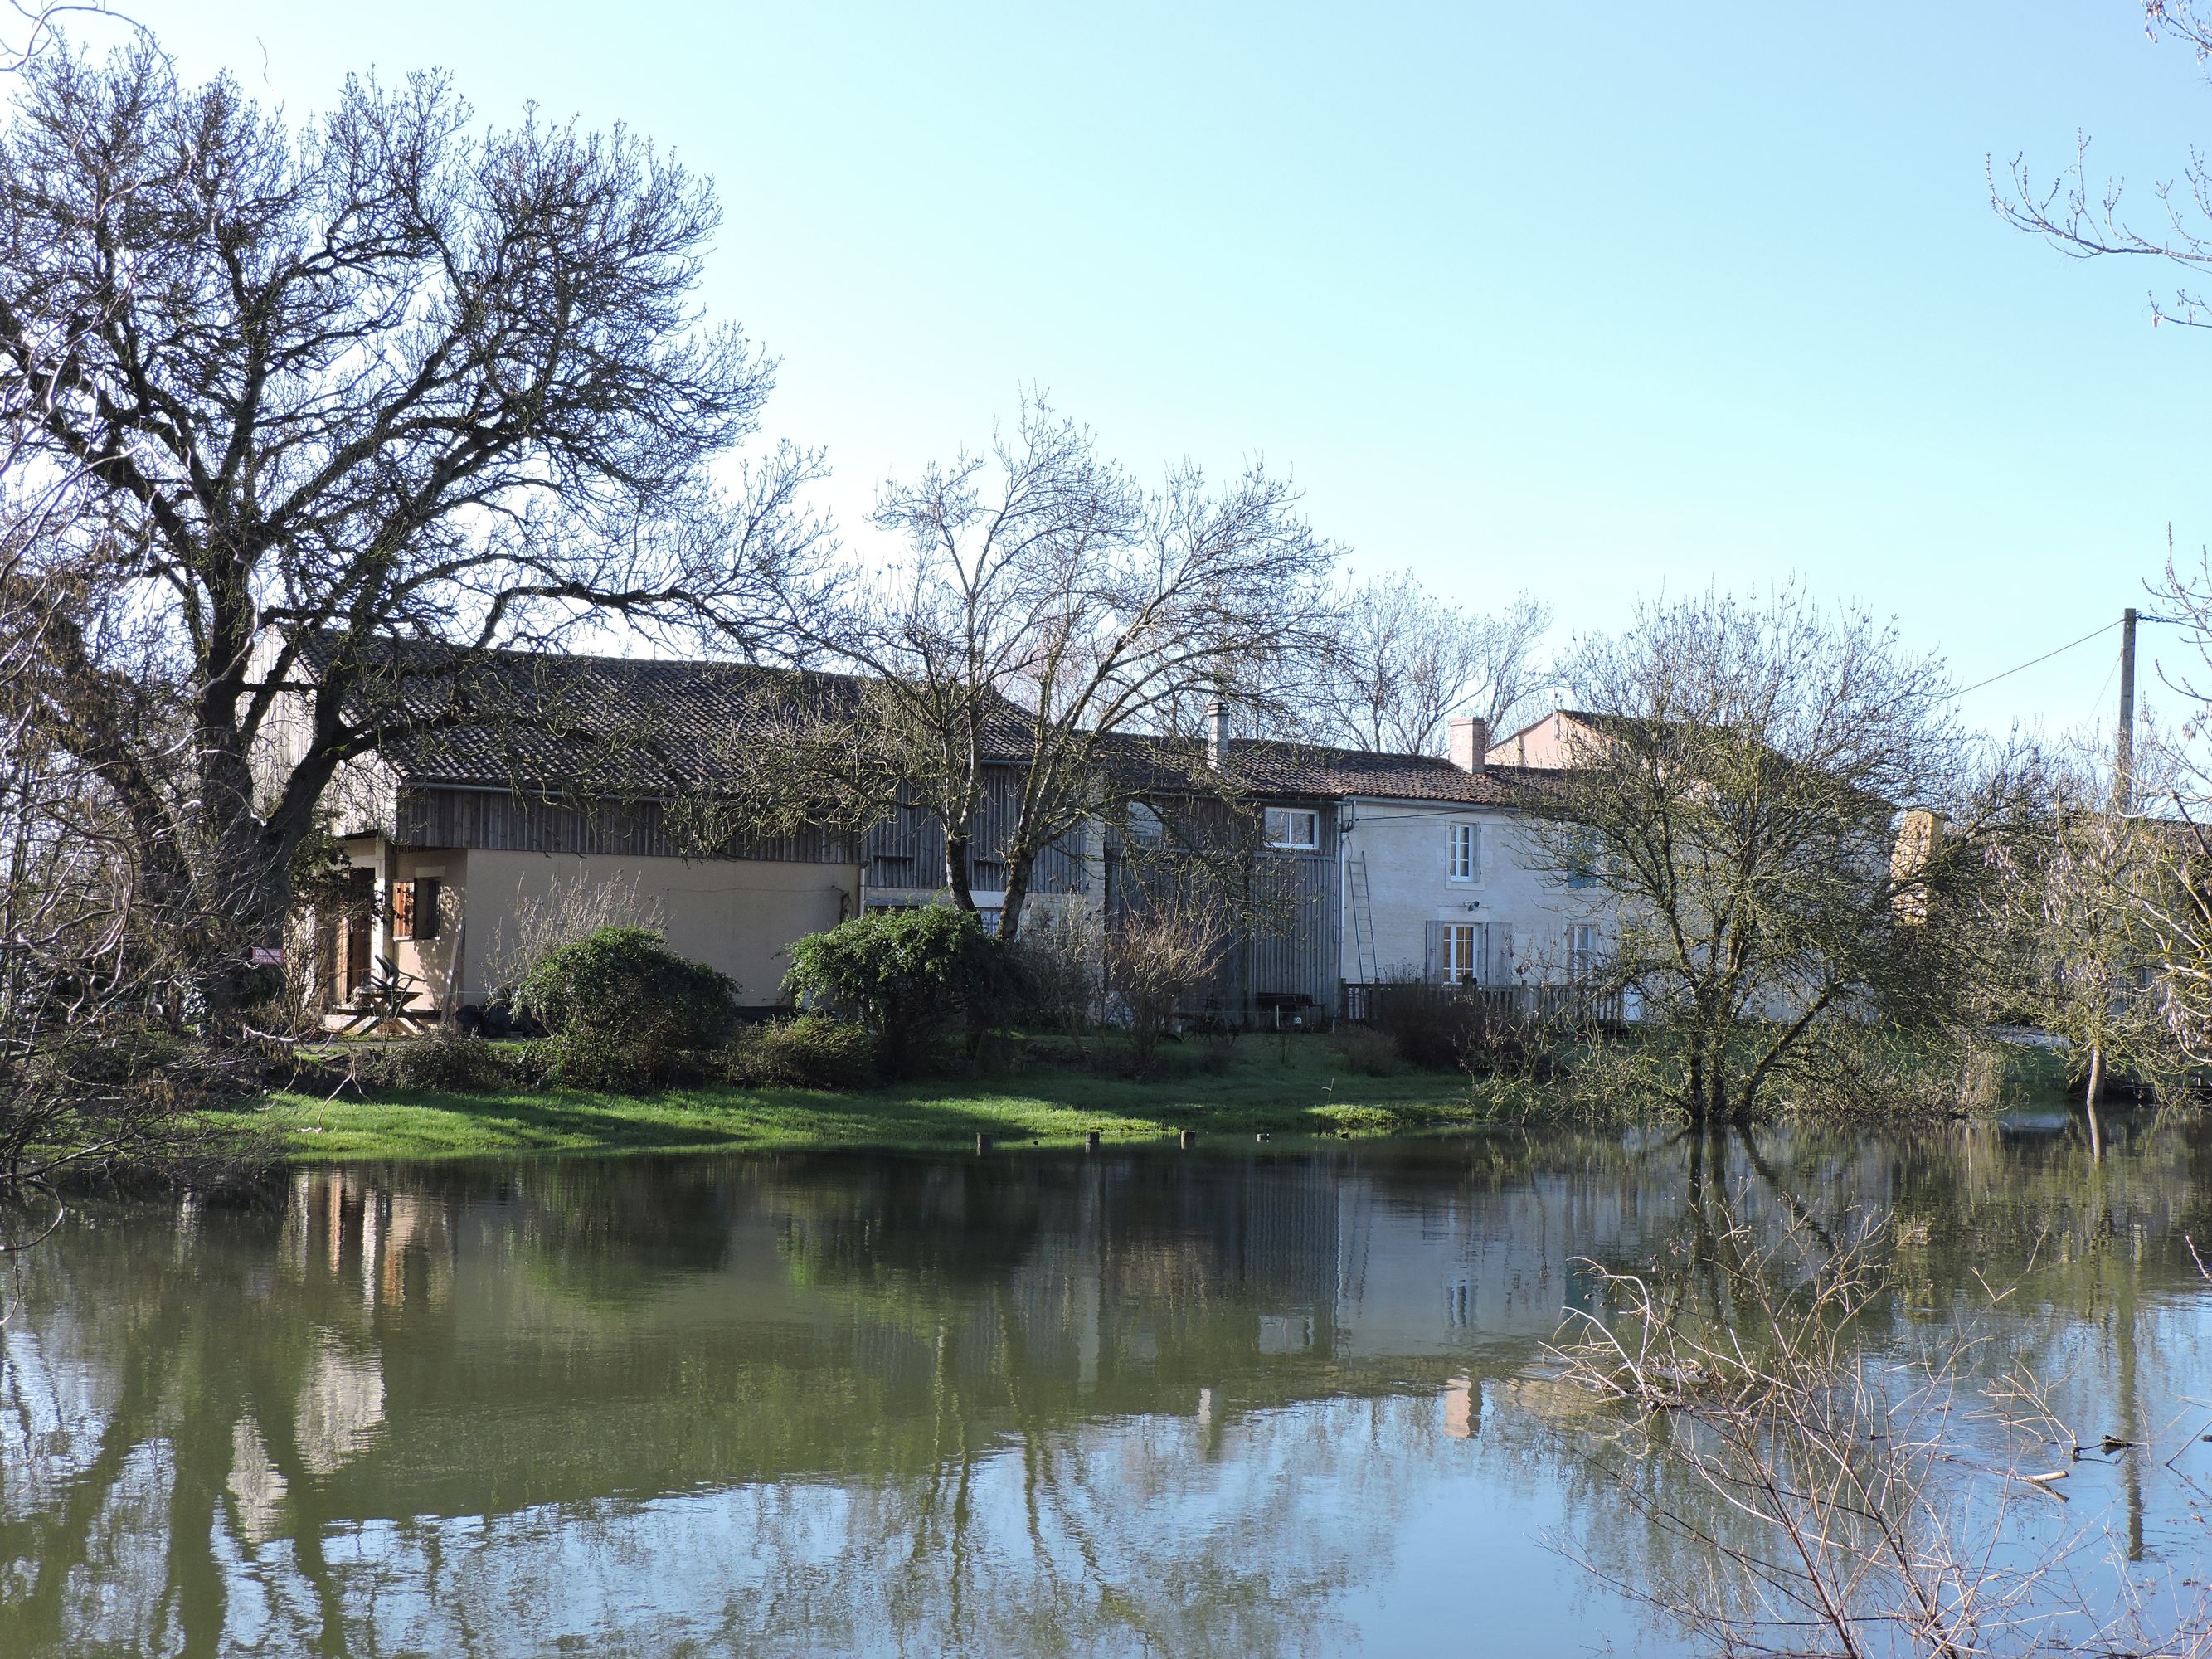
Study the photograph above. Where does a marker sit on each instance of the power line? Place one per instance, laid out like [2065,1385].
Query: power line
[2047,656]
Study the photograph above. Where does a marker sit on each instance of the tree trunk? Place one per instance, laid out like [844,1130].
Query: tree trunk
[2092,1093]
[1019,866]
[955,871]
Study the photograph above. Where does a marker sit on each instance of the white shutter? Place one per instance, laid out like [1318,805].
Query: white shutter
[1434,968]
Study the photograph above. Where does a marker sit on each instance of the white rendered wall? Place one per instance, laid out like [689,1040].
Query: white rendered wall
[1409,886]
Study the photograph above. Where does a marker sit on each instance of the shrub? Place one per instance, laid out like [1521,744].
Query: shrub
[1159,958]
[571,909]
[625,1012]
[1367,1051]
[907,975]
[447,1058]
[808,1052]
[1059,961]
[1431,1026]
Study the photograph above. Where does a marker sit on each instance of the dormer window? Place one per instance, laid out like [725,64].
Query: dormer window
[1294,828]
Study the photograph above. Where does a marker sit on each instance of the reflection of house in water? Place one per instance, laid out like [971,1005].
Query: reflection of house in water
[753,1384]
[777,1317]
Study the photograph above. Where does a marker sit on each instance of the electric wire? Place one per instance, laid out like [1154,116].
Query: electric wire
[2047,656]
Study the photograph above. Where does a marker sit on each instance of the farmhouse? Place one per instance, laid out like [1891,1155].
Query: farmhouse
[545,773]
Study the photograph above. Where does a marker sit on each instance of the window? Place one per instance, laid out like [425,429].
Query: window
[1462,953]
[1460,844]
[1455,953]
[1297,828]
[414,908]
[1582,871]
[1145,824]
[1581,952]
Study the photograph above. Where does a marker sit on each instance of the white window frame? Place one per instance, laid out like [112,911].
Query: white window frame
[1462,953]
[1462,852]
[1289,817]
[1584,949]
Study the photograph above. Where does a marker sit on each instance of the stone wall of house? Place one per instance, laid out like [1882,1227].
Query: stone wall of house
[1524,914]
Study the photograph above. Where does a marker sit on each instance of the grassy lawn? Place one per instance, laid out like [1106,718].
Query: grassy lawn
[1301,1086]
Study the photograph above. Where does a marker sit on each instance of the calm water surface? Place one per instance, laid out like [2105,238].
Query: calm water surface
[1249,1400]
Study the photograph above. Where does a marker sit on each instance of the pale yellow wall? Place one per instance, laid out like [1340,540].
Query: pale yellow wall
[735,914]
[430,960]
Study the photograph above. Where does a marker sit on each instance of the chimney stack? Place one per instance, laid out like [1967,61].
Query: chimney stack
[1470,742]
[1217,734]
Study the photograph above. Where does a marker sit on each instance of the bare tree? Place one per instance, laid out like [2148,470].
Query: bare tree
[1735,808]
[2090,890]
[2088,223]
[1401,663]
[86,1078]
[1050,613]
[307,390]
[1157,958]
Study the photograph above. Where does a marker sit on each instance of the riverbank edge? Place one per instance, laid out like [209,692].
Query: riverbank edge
[1044,1107]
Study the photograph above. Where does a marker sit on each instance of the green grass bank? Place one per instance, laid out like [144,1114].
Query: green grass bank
[1302,1086]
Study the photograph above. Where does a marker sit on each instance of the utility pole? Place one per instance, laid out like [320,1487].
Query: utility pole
[2124,768]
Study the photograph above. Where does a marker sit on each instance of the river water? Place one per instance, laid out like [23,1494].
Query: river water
[1248,1400]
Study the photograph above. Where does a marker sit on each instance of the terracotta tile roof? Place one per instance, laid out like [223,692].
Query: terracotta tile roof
[1319,772]
[593,725]
[633,725]
[1302,769]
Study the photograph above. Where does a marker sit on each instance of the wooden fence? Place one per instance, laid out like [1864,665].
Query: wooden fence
[1535,1004]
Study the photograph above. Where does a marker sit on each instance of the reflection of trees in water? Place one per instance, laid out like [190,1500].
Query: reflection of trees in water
[834,1400]
[2046,1266]
[1105,1538]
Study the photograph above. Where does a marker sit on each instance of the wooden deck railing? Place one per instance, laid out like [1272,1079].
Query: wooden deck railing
[1535,1004]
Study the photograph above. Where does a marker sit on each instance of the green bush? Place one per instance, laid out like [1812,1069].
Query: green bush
[1434,1028]
[911,976]
[450,1060]
[809,1052]
[624,1011]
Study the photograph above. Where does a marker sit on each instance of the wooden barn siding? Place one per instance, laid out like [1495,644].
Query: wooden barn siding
[497,821]
[1299,952]
[907,849]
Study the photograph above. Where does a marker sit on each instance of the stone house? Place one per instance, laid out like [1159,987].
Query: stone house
[578,771]
[591,771]
[1422,867]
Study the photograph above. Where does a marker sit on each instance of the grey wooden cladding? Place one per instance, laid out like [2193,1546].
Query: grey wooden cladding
[1293,948]
[906,849]
[499,821]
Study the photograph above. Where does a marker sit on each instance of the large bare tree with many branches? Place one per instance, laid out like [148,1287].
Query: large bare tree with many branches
[390,375]
[1046,609]
[1400,663]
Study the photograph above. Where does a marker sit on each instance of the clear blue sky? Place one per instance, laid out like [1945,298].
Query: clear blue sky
[1593,302]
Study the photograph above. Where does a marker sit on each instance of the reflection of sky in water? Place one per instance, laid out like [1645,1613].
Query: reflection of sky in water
[1126,1405]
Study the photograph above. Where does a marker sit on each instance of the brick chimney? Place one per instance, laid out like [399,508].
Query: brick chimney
[1470,741]
[1217,734]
